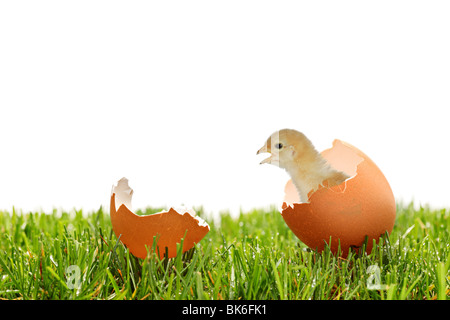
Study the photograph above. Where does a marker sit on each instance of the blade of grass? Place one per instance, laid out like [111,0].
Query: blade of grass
[55,275]
[441,274]
[277,279]
[113,281]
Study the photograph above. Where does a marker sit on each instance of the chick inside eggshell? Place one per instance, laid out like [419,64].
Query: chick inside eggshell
[362,206]
[338,159]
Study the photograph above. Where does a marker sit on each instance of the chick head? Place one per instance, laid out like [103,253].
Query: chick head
[287,147]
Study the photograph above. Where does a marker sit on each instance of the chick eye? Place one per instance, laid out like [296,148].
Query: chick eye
[279,145]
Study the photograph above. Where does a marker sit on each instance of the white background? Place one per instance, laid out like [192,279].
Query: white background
[179,95]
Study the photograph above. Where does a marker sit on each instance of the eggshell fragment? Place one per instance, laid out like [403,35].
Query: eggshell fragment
[361,206]
[137,232]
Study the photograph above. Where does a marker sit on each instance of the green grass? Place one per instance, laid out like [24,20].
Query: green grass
[253,256]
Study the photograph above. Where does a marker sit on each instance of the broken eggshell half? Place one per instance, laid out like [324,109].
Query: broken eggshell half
[344,215]
[168,227]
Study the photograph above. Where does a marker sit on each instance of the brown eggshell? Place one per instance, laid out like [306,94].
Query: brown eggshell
[363,205]
[137,232]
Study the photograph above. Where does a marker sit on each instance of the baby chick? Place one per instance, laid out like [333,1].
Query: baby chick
[294,152]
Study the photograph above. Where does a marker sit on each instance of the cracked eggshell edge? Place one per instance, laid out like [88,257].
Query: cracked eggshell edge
[169,227]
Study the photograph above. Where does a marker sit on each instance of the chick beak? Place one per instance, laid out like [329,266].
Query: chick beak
[264,150]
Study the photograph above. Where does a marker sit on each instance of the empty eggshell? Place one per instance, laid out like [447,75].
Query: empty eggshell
[361,206]
[137,232]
